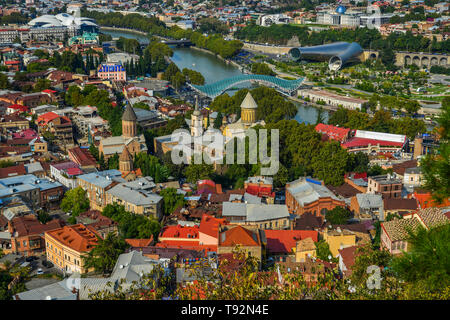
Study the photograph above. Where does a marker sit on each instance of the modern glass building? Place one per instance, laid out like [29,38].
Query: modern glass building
[337,54]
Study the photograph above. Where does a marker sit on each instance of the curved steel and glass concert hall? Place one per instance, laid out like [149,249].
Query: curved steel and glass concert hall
[337,54]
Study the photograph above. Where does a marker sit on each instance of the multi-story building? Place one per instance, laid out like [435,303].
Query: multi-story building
[35,99]
[338,239]
[13,122]
[265,216]
[83,158]
[96,184]
[137,197]
[66,246]
[98,222]
[59,126]
[386,185]
[332,99]
[251,241]
[261,187]
[197,237]
[27,234]
[375,142]
[309,195]
[367,206]
[394,233]
[413,177]
[66,173]
[112,71]
[38,192]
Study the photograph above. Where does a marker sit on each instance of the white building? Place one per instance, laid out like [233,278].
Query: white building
[332,99]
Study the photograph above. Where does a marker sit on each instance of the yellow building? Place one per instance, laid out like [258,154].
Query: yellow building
[66,246]
[304,248]
[339,239]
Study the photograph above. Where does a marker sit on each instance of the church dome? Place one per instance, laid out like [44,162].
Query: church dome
[249,102]
[129,114]
[341,9]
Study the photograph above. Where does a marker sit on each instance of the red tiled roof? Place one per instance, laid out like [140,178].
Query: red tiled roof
[82,156]
[47,117]
[77,237]
[30,225]
[74,171]
[18,170]
[19,107]
[26,134]
[425,200]
[239,236]
[210,225]
[363,142]
[179,231]
[348,256]
[139,242]
[335,133]
[282,241]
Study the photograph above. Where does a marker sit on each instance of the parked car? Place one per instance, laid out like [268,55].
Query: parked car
[40,271]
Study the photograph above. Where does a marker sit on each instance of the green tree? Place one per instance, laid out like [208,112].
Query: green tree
[195,172]
[44,217]
[329,163]
[436,167]
[338,215]
[171,200]
[427,262]
[75,201]
[323,251]
[104,255]
[132,226]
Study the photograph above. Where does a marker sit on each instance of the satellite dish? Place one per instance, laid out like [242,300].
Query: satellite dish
[329,257]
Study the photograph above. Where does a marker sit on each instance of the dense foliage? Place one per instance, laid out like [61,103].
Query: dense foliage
[132,226]
[171,200]
[151,166]
[382,121]
[151,60]
[272,106]
[367,38]
[75,201]
[154,26]
[338,215]
[436,167]
[103,257]
[90,95]
[262,68]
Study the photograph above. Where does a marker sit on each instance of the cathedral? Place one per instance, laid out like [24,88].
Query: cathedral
[130,139]
[248,119]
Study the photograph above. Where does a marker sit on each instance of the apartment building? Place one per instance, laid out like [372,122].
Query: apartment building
[66,246]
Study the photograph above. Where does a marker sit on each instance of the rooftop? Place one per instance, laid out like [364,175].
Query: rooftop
[77,237]
[308,190]
[239,236]
[255,212]
[282,241]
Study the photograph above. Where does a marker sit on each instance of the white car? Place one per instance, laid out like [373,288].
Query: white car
[39,271]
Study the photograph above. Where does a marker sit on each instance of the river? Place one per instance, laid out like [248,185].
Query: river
[214,69]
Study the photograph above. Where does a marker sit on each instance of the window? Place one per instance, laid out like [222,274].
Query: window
[24,243]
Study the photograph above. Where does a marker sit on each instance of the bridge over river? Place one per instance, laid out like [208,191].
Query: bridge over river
[215,89]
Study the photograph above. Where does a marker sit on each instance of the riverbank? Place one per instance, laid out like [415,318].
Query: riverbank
[314,105]
[214,68]
[124,30]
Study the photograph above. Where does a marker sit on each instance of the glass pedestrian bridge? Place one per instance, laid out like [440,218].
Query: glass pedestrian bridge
[215,89]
